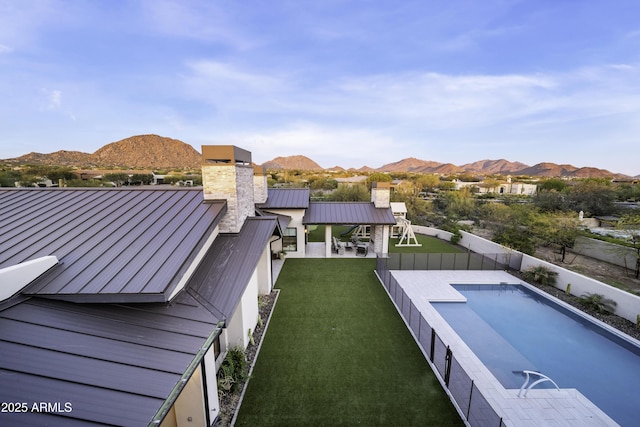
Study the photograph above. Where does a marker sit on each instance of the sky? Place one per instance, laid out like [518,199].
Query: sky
[348,83]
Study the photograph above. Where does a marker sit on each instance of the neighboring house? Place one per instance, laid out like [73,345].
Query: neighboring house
[507,187]
[118,305]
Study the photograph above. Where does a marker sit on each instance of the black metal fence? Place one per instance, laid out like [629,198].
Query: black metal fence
[467,396]
[453,261]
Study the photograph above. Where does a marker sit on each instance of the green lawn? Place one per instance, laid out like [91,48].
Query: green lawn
[316,232]
[337,353]
[429,245]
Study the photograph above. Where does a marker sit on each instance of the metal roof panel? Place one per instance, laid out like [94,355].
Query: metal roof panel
[224,273]
[114,245]
[287,198]
[347,213]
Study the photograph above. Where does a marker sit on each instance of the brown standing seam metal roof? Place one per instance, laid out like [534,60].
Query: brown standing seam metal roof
[223,275]
[287,198]
[114,245]
[347,213]
[115,364]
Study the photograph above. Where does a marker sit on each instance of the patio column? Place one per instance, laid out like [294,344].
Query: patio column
[327,241]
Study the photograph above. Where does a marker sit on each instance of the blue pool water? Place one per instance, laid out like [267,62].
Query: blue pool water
[511,328]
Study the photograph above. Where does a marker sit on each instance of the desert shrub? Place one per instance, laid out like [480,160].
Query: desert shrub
[234,371]
[598,303]
[540,274]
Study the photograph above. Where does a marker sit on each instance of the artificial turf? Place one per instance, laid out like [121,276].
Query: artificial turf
[336,352]
[430,244]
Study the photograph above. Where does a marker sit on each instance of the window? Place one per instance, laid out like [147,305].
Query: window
[290,239]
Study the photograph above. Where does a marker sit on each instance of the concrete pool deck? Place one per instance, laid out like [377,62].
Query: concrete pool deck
[541,407]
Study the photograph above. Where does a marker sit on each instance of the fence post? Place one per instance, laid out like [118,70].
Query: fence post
[432,350]
[447,366]
[470,397]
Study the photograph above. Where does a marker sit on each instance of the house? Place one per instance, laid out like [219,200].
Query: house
[507,187]
[117,306]
[290,205]
[295,210]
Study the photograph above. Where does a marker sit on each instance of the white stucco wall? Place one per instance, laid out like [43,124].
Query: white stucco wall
[245,317]
[433,232]
[264,276]
[296,221]
[628,305]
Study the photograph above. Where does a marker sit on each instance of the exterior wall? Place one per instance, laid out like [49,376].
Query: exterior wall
[211,383]
[433,232]
[260,190]
[605,251]
[189,406]
[245,316]
[265,284]
[233,183]
[628,305]
[481,245]
[381,239]
[381,194]
[296,221]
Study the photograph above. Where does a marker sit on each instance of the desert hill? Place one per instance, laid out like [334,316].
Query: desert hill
[148,150]
[481,167]
[141,151]
[157,152]
[292,162]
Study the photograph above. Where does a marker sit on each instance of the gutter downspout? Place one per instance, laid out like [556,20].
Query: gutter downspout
[177,389]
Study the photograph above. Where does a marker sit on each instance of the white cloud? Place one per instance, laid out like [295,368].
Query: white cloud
[52,99]
[204,20]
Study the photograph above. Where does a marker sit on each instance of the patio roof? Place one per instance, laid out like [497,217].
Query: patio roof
[287,198]
[347,213]
[114,245]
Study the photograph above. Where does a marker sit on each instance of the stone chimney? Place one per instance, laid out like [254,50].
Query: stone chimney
[381,194]
[227,174]
[260,192]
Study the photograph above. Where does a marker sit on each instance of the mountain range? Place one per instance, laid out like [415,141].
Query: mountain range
[157,152]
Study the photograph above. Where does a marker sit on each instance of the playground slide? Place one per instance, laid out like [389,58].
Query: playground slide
[349,231]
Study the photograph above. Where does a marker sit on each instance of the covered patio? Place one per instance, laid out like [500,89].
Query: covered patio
[351,214]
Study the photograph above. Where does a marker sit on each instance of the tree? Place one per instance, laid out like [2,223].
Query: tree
[142,178]
[551,200]
[409,192]
[378,177]
[457,204]
[350,193]
[552,184]
[428,182]
[556,229]
[593,196]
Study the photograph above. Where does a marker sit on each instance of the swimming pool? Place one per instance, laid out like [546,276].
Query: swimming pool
[513,328]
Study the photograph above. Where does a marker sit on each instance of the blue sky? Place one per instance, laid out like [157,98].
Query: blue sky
[347,83]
